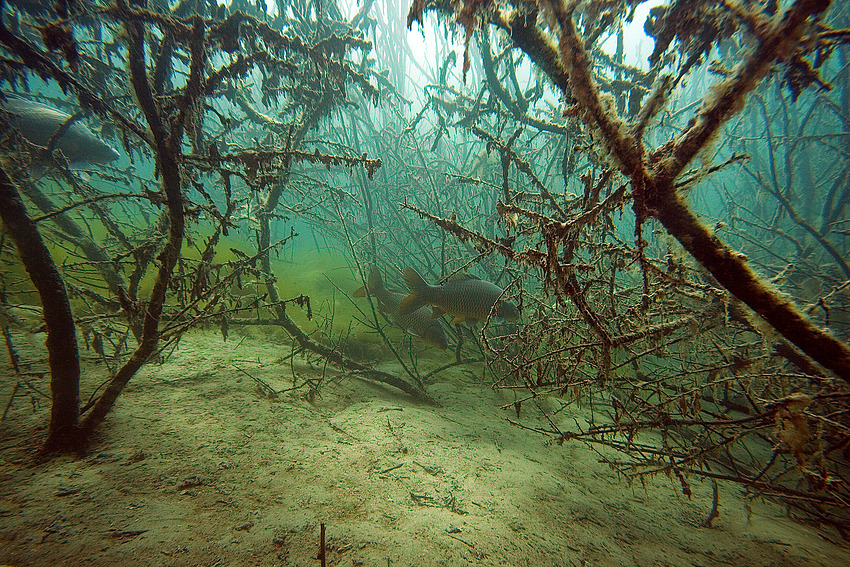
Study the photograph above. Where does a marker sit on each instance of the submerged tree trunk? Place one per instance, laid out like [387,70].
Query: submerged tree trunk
[62,351]
[731,270]
[167,145]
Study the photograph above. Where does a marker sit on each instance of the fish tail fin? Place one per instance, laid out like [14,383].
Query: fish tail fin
[417,286]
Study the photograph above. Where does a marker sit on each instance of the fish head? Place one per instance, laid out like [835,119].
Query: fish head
[507,310]
[434,335]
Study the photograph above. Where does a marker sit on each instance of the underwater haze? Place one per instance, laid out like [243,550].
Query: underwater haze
[406,283]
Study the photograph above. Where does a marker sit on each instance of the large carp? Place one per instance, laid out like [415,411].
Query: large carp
[466,298]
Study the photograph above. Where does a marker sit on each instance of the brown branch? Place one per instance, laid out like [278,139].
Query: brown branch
[169,168]
[254,160]
[623,147]
[655,192]
[464,234]
[731,270]
[726,99]
[62,351]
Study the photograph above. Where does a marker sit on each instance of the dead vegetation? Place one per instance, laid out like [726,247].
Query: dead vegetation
[149,266]
[708,364]
[676,236]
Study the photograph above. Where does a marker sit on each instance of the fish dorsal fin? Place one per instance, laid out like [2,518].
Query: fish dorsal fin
[414,281]
[375,282]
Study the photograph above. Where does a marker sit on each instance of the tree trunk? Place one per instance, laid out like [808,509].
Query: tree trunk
[62,351]
[731,270]
[167,151]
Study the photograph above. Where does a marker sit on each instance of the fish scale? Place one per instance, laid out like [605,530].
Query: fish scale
[466,299]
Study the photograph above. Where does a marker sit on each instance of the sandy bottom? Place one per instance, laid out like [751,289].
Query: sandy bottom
[195,466]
